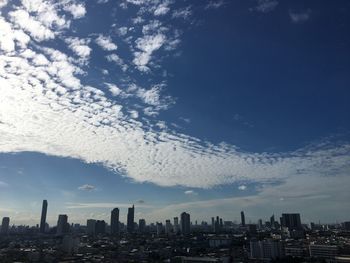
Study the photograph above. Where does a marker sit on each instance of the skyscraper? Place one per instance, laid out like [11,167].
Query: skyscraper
[43,217]
[115,222]
[176,225]
[130,221]
[291,221]
[62,225]
[90,226]
[5,225]
[185,223]
[272,221]
[242,218]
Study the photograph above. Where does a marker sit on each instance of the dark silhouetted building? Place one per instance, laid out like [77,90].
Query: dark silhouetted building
[5,225]
[62,225]
[90,226]
[142,225]
[100,227]
[115,222]
[291,221]
[242,218]
[43,217]
[185,223]
[130,222]
[176,225]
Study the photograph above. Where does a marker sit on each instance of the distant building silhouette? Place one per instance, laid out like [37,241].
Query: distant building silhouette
[272,221]
[168,226]
[5,225]
[43,217]
[62,225]
[115,222]
[90,226]
[176,225]
[185,223]
[142,225]
[130,221]
[291,221]
[100,227]
[242,218]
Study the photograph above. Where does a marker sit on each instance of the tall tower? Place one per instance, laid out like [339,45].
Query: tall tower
[5,225]
[62,225]
[185,224]
[43,217]
[130,221]
[115,222]
[242,218]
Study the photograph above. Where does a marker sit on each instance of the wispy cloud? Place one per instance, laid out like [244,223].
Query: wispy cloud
[299,17]
[214,4]
[87,187]
[190,192]
[265,6]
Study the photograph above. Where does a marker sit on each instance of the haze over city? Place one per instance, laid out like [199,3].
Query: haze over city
[205,107]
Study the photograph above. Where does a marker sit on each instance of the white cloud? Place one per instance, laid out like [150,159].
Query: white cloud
[190,192]
[77,10]
[113,89]
[116,59]
[147,44]
[87,187]
[105,42]
[79,46]
[214,4]
[162,9]
[45,107]
[299,17]
[242,187]
[266,6]
[29,24]
[182,13]
[3,3]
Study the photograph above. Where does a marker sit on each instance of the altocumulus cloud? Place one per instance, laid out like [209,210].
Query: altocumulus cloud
[47,106]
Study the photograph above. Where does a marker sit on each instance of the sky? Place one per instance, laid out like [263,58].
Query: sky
[210,107]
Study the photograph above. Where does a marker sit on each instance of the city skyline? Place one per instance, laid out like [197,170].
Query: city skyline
[211,107]
[290,220]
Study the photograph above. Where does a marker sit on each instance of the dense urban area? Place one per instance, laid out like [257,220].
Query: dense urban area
[285,239]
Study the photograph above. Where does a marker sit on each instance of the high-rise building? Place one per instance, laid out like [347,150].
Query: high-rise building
[115,222]
[43,217]
[130,221]
[168,226]
[5,225]
[242,218]
[213,224]
[90,226]
[176,225]
[291,221]
[272,221]
[185,223]
[159,227]
[62,225]
[142,225]
[100,227]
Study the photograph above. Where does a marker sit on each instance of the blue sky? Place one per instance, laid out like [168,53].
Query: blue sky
[210,107]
